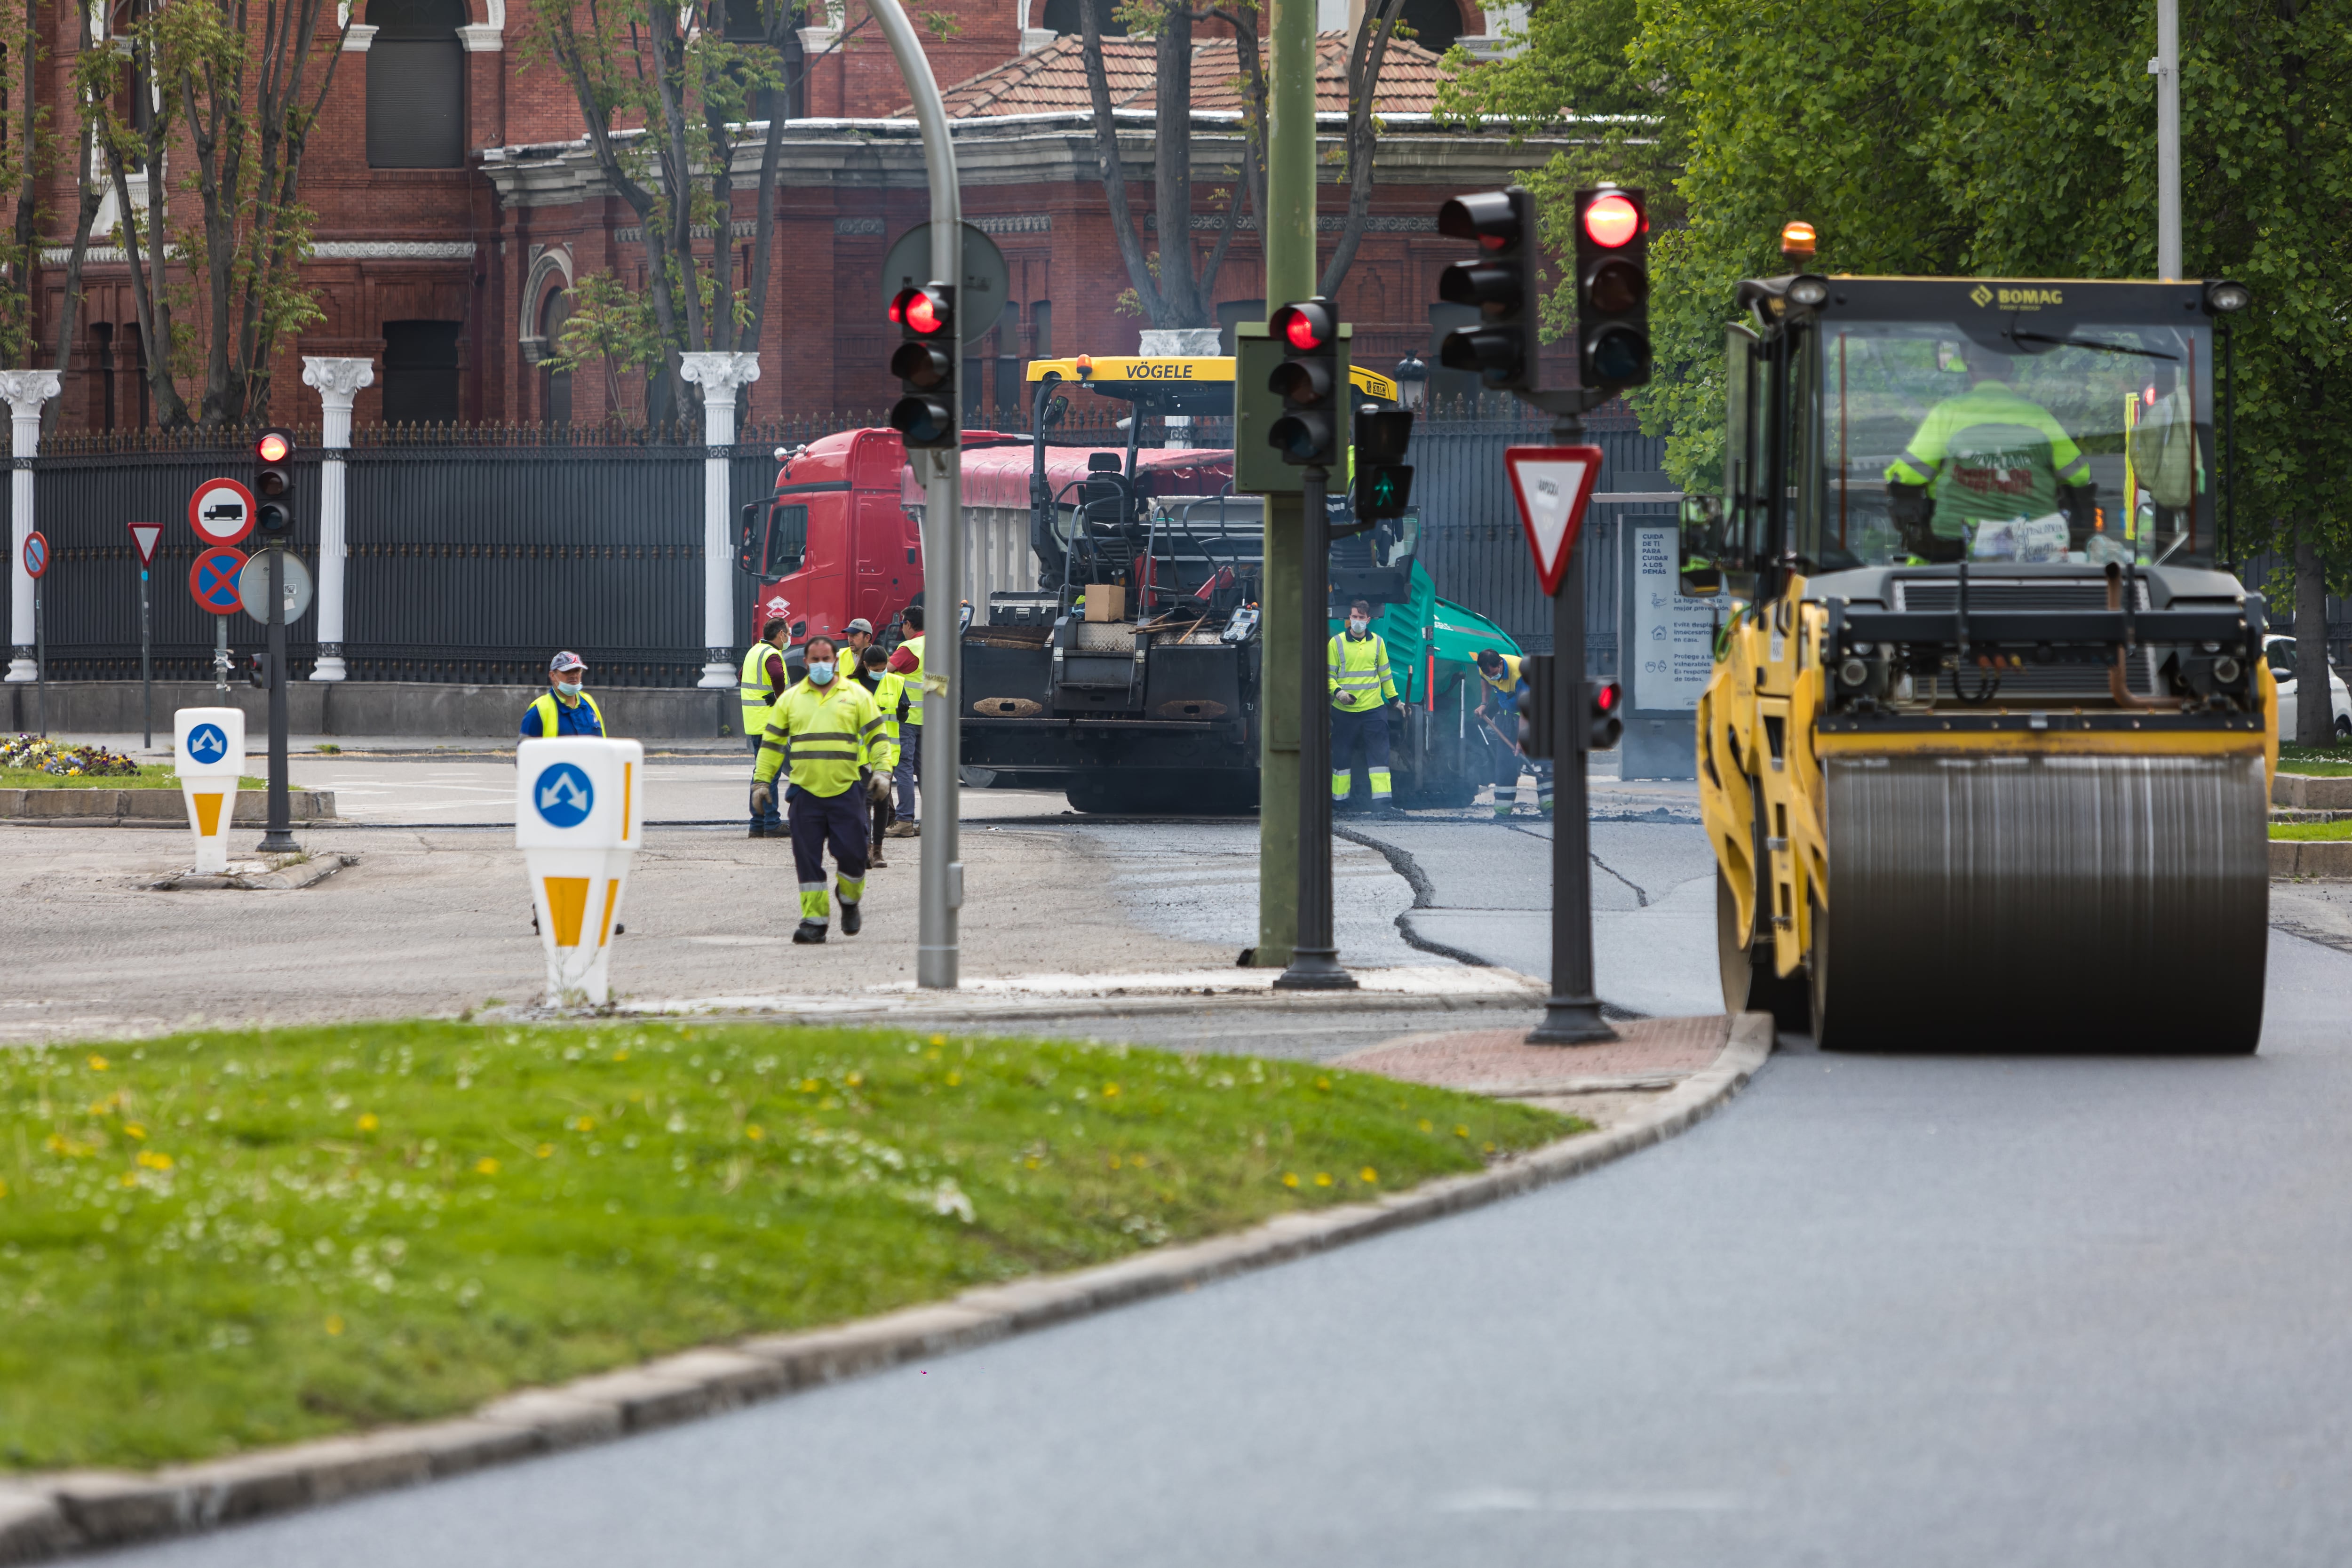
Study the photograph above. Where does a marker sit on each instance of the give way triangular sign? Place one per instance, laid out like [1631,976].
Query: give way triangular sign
[1552,485]
[144,535]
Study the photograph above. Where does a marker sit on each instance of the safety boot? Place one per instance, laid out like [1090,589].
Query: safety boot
[809,931]
[758,830]
[874,861]
[852,921]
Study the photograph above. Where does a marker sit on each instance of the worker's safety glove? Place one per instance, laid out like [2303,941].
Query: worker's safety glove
[763,796]
[877,788]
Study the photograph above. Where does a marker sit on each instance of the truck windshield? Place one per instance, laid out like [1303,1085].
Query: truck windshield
[2080,441]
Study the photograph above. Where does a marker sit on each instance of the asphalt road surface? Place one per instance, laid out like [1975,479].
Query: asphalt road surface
[1924,1310]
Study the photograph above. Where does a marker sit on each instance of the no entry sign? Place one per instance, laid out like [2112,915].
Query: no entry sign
[212,580]
[37,554]
[221,511]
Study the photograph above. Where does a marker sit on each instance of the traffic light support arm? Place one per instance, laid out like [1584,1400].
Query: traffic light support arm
[940,880]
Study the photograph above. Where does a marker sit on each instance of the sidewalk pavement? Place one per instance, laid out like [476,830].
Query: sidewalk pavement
[1608,1082]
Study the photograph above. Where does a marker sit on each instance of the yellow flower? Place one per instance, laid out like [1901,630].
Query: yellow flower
[584,1124]
[1137,1161]
[485,1166]
[954,1078]
[155,1159]
[134,1129]
[3,1187]
[1290,1178]
[938,1040]
[755,1132]
[809,1086]
[1489,1148]
[854,1079]
[1425,1126]
[1110,1092]
[130,1178]
[1368,1175]
[1462,1133]
[620,1056]
[1114,1161]
[1322,1178]
[1322,1083]
[97,1064]
[544,1150]
[367,1121]
[334,1324]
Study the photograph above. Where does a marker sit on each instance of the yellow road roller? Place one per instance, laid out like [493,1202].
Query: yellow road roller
[1985,754]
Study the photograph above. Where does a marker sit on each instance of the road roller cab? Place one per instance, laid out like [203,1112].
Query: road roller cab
[1984,759]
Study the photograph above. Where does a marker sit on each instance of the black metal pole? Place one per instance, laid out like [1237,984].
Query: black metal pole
[1572,1012]
[1314,959]
[146,667]
[40,660]
[279,837]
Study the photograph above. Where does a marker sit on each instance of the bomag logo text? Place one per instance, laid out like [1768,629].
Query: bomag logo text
[1160,372]
[2016,298]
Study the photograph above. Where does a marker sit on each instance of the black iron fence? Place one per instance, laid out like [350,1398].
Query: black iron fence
[472,553]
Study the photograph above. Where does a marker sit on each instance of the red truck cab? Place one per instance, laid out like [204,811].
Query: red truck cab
[838,545]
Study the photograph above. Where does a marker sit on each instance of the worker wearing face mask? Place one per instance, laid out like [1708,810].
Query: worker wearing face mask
[1360,687]
[566,709]
[824,734]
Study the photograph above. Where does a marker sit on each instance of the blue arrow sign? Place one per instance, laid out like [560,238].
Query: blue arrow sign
[206,743]
[563,796]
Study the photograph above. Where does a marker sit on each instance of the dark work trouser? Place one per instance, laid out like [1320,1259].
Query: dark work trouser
[1367,732]
[909,772]
[819,820]
[774,822]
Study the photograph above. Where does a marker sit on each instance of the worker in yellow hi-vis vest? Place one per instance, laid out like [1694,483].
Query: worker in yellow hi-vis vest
[822,734]
[1362,690]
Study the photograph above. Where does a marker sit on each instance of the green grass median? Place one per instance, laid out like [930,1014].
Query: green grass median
[2311,832]
[2325,762]
[228,1239]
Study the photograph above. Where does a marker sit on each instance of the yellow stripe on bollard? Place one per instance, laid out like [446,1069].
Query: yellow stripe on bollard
[628,787]
[567,900]
[208,813]
[612,897]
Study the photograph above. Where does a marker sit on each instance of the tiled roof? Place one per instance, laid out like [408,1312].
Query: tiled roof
[1053,79]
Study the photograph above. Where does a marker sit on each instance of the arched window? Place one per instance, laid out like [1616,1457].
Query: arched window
[416,85]
[557,403]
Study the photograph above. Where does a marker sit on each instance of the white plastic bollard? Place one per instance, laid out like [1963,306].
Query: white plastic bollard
[208,749]
[580,804]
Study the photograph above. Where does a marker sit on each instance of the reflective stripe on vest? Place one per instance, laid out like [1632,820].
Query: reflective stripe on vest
[751,686]
[1360,672]
[914,679]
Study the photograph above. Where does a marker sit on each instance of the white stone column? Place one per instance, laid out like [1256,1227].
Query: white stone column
[719,375]
[337,382]
[26,391]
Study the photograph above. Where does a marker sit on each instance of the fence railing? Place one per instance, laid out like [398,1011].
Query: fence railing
[473,553]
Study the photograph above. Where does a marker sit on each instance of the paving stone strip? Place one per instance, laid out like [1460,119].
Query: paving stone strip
[46,1516]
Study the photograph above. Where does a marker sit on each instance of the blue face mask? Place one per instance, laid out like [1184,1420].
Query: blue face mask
[820,673]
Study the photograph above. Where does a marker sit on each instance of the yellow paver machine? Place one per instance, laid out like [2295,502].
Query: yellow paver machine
[1985,754]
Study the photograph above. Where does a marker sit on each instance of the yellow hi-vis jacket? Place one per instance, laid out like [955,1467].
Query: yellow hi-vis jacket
[1990,455]
[914,679]
[820,736]
[751,686]
[1359,673]
[1510,685]
[889,693]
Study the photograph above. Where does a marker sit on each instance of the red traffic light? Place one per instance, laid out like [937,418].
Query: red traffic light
[1606,697]
[924,311]
[273,447]
[1305,328]
[1613,219]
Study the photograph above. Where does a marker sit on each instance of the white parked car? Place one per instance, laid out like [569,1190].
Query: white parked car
[2280,652]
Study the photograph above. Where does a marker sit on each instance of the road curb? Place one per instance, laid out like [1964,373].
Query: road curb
[43,1517]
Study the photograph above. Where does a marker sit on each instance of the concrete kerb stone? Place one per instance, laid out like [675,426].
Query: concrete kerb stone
[44,1516]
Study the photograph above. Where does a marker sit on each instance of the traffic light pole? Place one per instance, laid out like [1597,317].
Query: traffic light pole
[1572,1012]
[1314,956]
[278,839]
[939,882]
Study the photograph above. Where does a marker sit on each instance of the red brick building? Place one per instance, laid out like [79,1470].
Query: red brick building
[456,201]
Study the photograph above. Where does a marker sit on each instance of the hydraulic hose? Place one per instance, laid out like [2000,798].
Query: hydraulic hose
[2117,687]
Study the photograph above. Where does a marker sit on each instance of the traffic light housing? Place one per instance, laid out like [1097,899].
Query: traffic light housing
[1503,347]
[1311,381]
[1383,481]
[925,364]
[1537,738]
[273,483]
[1612,289]
[1604,721]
